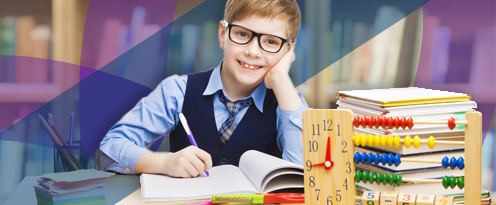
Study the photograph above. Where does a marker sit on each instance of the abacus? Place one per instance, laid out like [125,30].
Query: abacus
[473,145]
[330,127]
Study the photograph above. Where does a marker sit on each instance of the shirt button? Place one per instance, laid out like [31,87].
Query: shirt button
[126,170]
[223,161]
[297,120]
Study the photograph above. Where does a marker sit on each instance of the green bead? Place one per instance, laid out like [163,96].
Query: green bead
[378,178]
[358,176]
[461,182]
[399,180]
[445,182]
[371,177]
[365,177]
[392,179]
[385,178]
[452,182]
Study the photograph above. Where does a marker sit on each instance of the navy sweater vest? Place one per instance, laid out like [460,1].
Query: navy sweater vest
[256,131]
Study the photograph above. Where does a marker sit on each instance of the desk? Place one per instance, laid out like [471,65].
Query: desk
[120,190]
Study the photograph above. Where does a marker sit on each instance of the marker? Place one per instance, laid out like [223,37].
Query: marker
[260,198]
[188,132]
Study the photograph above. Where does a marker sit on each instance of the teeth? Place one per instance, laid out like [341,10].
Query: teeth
[249,66]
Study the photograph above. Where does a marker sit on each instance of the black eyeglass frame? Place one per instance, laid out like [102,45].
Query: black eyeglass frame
[258,35]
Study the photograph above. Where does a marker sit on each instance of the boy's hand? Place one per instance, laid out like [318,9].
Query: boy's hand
[280,68]
[188,162]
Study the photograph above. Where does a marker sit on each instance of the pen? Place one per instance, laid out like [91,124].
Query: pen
[260,198]
[188,132]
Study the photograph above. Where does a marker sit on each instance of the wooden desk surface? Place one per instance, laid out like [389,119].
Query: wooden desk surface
[120,190]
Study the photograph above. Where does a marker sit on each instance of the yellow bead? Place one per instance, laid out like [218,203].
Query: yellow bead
[383,140]
[431,142]
[407,141]
[370,140]
[397,142]
[363,141]
[416,141]
[390,141]
[357,139]
[377,140]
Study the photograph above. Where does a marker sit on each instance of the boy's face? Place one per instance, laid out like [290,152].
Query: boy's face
[237,56]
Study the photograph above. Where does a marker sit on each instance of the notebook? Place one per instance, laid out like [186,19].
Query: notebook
[257,173]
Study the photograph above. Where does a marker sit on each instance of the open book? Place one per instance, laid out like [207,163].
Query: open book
[257,173]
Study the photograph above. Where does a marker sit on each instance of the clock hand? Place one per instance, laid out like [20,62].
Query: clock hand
[328,164]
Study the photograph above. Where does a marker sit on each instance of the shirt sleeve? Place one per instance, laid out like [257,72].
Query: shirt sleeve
[289,126]
[153,116]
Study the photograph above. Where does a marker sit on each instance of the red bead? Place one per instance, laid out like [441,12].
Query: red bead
[377,121]
[356,121]
[397,122]
[409,123]
[370,121]
[451,123]
[390,122]
[364,121]
[384,122]
[403,122]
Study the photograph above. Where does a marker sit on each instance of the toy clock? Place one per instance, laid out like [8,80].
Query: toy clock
[328,157]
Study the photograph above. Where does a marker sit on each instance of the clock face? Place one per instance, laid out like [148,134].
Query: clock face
[328,157]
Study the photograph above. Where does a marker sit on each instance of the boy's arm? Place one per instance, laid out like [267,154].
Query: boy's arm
[153,116]
[291,106]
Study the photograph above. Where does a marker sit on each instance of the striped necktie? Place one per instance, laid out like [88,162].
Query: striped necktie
[227,128]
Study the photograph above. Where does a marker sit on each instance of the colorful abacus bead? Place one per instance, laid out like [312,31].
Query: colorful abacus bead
[358,176]
[431,142]
[453,182]
[451,123]
[356,121]
[357,139]
[377,122]
[453,162]
[378,178]
[416,141]
[407,141]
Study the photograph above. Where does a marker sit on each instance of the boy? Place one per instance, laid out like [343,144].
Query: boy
[247,102]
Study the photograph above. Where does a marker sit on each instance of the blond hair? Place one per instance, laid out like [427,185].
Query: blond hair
[285,10]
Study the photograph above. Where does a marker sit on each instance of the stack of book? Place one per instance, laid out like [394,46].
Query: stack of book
[421,105]
[82,187]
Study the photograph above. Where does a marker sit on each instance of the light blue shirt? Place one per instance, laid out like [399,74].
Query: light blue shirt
[157,115]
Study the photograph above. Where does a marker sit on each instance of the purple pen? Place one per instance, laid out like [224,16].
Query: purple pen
[188,132]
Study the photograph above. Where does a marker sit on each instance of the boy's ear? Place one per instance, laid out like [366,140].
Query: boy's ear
[222,34]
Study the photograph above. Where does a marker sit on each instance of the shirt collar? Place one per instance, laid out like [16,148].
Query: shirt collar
[215,84]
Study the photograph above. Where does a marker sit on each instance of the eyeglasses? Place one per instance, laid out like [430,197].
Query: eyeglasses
[242,36]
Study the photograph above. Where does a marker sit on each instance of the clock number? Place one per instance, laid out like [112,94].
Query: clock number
[312,183]
[338,131]
[317,190]
[329,199]
[313,145]
[318,129]
[345,184]
[370,203]
[338,196]
[406,197]
[349,167]
[329,128]
[309,165]
[344,148]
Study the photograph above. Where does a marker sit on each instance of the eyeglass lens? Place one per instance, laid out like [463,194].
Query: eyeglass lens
[268,42]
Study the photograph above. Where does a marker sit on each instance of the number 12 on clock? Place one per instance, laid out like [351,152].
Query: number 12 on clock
[328,157]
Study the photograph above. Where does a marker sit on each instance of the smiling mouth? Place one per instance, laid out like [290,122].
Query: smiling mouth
[248,66]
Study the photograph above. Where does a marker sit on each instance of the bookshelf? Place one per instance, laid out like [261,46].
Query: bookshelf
[66,19]
[360,68]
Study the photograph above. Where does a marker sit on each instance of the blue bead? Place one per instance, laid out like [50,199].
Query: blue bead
[370,158]
[445,162]
[461,163]
[363,159]
[384,158]
[397,160]
[377,159]
[390,159]
[357,157]
[453,162]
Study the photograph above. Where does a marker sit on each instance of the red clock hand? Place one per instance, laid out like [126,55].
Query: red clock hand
[328,164]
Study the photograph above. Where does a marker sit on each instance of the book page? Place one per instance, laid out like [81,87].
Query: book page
[226,179]
[260,168]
